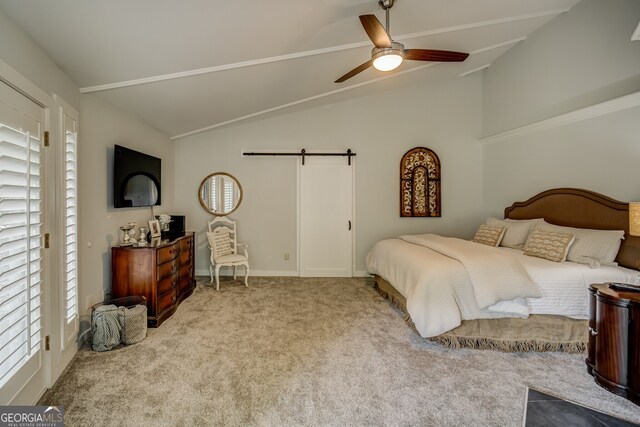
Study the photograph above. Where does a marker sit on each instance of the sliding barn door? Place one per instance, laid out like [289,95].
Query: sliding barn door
[326,217]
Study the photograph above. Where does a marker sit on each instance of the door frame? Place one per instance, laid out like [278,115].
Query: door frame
[62,351]
[30,392]
[299,167]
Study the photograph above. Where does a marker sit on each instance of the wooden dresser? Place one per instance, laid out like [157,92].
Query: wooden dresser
[614,339]
[163,272]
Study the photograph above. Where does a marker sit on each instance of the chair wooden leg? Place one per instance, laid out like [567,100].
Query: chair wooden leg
[246,274]
[217,277]
[235,268]
[211,272]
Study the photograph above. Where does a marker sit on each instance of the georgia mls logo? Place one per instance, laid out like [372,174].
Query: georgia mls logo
[31,416]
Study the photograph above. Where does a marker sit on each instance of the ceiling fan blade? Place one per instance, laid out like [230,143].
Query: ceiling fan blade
[375,31]
[360,68]
[434,55]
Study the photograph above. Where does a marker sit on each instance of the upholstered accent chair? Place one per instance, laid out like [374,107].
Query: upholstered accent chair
[225,250]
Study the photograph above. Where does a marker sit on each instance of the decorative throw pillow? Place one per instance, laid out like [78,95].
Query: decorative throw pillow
[516,231]
[592,247]
[490,235]
[548,245]
[220,243]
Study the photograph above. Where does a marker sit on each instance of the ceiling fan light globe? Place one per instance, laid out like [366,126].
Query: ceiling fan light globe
[387,62]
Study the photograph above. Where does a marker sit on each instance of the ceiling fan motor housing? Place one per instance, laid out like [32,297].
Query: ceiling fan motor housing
[395,49]
[387,58]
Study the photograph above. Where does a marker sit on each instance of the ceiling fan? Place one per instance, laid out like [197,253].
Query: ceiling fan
[387,55]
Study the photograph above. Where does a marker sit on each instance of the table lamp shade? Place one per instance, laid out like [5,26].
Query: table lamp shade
[634,218]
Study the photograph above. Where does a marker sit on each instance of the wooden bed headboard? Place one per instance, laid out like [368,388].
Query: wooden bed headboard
[573,207]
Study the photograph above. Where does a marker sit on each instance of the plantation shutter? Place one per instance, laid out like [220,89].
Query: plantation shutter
[20,240]
[70,228]
[228,195]
[214,195]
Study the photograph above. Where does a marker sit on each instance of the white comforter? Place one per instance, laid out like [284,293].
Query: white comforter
[440,292]
[494,275]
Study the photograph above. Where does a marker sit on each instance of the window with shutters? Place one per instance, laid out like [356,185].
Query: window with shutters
[70,218]
[20,238]
[38,195]
[214,196]
[228,195]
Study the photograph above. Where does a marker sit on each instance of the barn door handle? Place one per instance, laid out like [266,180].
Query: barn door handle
[349,225]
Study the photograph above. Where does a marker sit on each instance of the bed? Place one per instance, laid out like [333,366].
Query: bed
[436,285]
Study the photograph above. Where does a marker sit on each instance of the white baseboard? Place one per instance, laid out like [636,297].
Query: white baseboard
[266,273]
[361,273]
[270,273]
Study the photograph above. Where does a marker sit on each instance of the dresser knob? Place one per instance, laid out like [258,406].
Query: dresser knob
[592,331]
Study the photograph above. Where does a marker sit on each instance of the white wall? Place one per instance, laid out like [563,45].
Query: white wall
[601,155]
[23,55]
[101,126]
[579,59]
[444,115]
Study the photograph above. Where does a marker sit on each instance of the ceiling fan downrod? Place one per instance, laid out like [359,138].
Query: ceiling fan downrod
[386,5]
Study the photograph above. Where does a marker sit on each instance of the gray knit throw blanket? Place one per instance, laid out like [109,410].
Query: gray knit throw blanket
[106,328]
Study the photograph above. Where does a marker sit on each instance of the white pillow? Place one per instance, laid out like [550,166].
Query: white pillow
[516,231]
[220,243]
[591,247]
[530,221]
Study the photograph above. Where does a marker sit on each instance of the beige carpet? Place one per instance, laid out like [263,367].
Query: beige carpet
[290,351]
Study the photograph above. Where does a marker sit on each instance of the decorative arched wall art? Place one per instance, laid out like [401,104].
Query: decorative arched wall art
[420,183]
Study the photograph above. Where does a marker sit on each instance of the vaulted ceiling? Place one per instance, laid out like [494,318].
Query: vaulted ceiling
[191,65]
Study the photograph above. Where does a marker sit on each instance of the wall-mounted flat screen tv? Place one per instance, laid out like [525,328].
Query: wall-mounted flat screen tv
[136,178]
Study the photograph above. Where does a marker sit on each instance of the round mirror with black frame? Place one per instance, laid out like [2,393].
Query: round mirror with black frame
[220,194]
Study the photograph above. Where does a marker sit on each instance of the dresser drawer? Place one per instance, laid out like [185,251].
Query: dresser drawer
[167,269]
[166,300]
[184,283]
[185,245]
[167,284]
[184,258]
[185,271]
[167,254]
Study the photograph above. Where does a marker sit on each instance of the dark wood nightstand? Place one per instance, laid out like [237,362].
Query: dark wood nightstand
[614,339]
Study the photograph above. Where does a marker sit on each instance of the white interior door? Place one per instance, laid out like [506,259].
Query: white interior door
[22,361]
[326,217]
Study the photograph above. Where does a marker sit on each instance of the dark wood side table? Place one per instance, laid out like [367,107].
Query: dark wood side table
[614,339]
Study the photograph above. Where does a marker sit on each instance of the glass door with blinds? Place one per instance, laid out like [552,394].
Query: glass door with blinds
[21,244]
[69,218]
